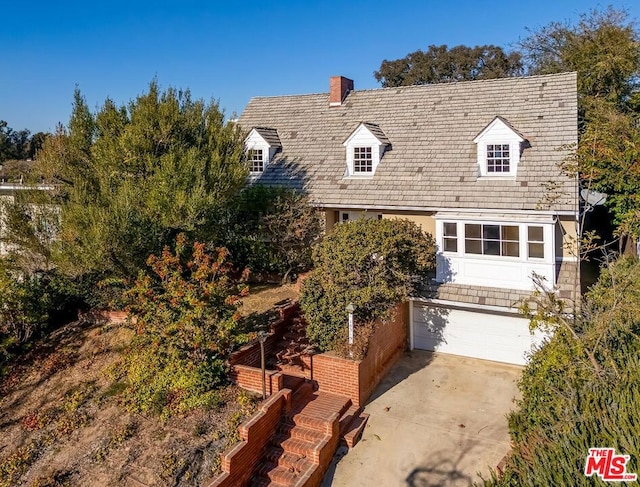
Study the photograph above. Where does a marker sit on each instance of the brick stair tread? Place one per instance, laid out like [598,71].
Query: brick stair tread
[354,433]
[279,456]
[348,417]
[298,431]
[317,408]
[294,445]
[284,475]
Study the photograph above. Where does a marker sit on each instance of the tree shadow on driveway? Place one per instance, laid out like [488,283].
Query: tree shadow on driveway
[409,364]
[439,471]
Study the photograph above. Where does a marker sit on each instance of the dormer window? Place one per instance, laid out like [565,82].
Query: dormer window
[497,158]
[262,144]
[499,146]
[362,160]
[365,147]
[256,160]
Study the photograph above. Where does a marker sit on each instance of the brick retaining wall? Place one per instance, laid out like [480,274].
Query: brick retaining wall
[250,378]
[357,379]
[239,461]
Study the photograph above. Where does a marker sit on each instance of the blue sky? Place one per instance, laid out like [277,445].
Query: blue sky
[231,51]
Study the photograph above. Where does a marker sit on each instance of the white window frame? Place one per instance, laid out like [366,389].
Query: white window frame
[255,141]
[494,270]
[253,160]
[498,133]
[360,162]
[501,240]
[363,138]
[536,242]
[346,216]
[494,161]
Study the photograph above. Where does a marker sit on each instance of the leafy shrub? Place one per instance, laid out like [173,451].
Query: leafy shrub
[34,304]
[24,303]
[24,311]
[185,316]
[374,264]
[272,230]
[569,403]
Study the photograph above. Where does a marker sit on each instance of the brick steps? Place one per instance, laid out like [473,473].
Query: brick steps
[295,431]
[353,435]
[300,447]
[352,424]
[286,476]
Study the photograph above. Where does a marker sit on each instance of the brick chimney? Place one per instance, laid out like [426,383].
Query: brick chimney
[339,87]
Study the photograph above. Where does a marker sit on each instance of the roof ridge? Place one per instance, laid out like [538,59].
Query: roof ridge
[428,85]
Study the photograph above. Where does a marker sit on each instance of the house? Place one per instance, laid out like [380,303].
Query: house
[476,164]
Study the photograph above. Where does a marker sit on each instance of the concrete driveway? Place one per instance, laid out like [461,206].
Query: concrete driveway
[436,419]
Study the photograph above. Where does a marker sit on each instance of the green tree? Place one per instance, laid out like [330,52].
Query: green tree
[128,179]
[439,64]
[374,264]
[603,47]
[35,144]
[272,230]
[14,144]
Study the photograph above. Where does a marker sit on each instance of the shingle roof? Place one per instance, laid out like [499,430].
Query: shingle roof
[433,163]
[269,135]
[375,130]
[504,298]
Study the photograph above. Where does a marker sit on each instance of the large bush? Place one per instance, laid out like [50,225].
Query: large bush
[184,313]
[374,264]
[271,230]
[581,389]
[31,305]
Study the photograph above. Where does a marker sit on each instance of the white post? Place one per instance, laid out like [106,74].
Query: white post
[350,309]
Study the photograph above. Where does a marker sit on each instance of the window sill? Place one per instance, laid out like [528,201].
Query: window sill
[496,258]
[358,176]
[492,177]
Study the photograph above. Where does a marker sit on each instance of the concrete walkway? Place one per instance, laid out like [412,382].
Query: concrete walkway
[436,419]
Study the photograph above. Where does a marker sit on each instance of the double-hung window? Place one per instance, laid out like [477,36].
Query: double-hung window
[450,237]
[535,242]
[256,160]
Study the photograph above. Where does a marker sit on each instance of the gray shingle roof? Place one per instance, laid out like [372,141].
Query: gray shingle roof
[504,298]
[433,161]
[269,135]
[375,130]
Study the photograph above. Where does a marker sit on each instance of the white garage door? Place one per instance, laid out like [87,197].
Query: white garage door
[503,338]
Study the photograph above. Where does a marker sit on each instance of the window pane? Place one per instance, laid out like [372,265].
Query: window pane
[472,231]
[473,246]
[536,250]
[450,245]
[510,233]
[491,231]
[511,249]
[536,234]
[450,229]
[491,247]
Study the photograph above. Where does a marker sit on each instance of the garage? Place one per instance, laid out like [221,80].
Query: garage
[501,337]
